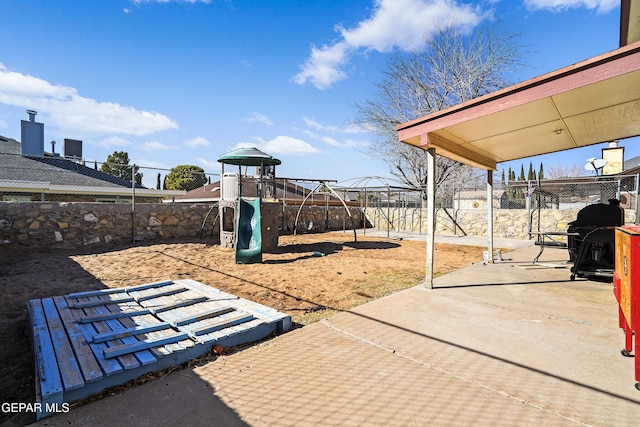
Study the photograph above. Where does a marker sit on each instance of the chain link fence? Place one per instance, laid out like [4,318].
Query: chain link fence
[56,179]
[562,194]
[519,205]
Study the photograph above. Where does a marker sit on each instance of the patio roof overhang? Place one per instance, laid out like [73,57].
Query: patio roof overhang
[587,103]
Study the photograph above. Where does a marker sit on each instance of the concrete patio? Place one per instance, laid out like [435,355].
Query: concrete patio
[496,344]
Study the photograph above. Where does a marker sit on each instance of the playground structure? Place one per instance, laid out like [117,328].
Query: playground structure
[329,190]
[248,224]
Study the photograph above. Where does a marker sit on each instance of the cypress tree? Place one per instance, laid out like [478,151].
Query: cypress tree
[541,172]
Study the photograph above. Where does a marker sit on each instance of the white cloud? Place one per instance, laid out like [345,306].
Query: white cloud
[3,124]
[317,126]
[282,145]
[155,146]
[394,24]
[354,143]
[66,110]
[603,6]
[323,68]
[255,117]
[196,142]
[114,141]
[329,134]
[330,141]
[208,165]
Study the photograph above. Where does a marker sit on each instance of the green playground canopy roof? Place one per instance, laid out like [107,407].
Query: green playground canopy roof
[248,157]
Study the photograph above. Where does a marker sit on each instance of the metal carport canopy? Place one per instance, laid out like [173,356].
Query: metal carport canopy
[587,103]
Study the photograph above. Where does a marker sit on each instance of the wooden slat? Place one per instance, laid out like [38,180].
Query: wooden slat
[148,320]
[107,315]
[149,286]
[127,361]
[116,290]
[108,366]
[128,332]
[178,304]
[88,364]
[136,312]
[48,381]
[125,349]
[160,294]
[86,294]
[221,324]
[67,364]
[201,316]
[144,357]
[100,302]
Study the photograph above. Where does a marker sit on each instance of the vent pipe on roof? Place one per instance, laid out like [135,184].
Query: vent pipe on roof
[32,115]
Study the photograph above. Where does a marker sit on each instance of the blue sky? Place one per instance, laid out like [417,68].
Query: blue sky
[183,81]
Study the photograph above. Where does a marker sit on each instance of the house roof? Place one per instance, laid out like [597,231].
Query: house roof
[590,102]
[57,174]
[211,191]
[55,170]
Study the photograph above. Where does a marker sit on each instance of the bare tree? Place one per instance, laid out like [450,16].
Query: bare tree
[455,67]
[563,171]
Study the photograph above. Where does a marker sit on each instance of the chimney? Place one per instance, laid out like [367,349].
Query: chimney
[32,136]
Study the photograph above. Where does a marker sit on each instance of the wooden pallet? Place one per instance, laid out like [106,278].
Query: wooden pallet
[86,342]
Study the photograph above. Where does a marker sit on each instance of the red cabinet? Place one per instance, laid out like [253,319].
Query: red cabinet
[626,287]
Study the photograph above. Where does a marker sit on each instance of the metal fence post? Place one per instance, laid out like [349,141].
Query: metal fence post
[133,203]
[637,207]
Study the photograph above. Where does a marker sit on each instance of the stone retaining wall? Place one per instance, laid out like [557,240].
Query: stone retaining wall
[74,225]
[507,223]
[70,225]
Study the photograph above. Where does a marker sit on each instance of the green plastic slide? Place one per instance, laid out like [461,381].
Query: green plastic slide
[248,245]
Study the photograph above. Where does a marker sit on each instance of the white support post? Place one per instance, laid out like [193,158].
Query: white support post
[490,214]
[431,215]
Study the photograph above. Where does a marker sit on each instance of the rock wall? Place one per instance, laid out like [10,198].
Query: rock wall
[507,223]
[71,225]
[75,225]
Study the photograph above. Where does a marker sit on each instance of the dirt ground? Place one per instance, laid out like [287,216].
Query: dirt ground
[309,277]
